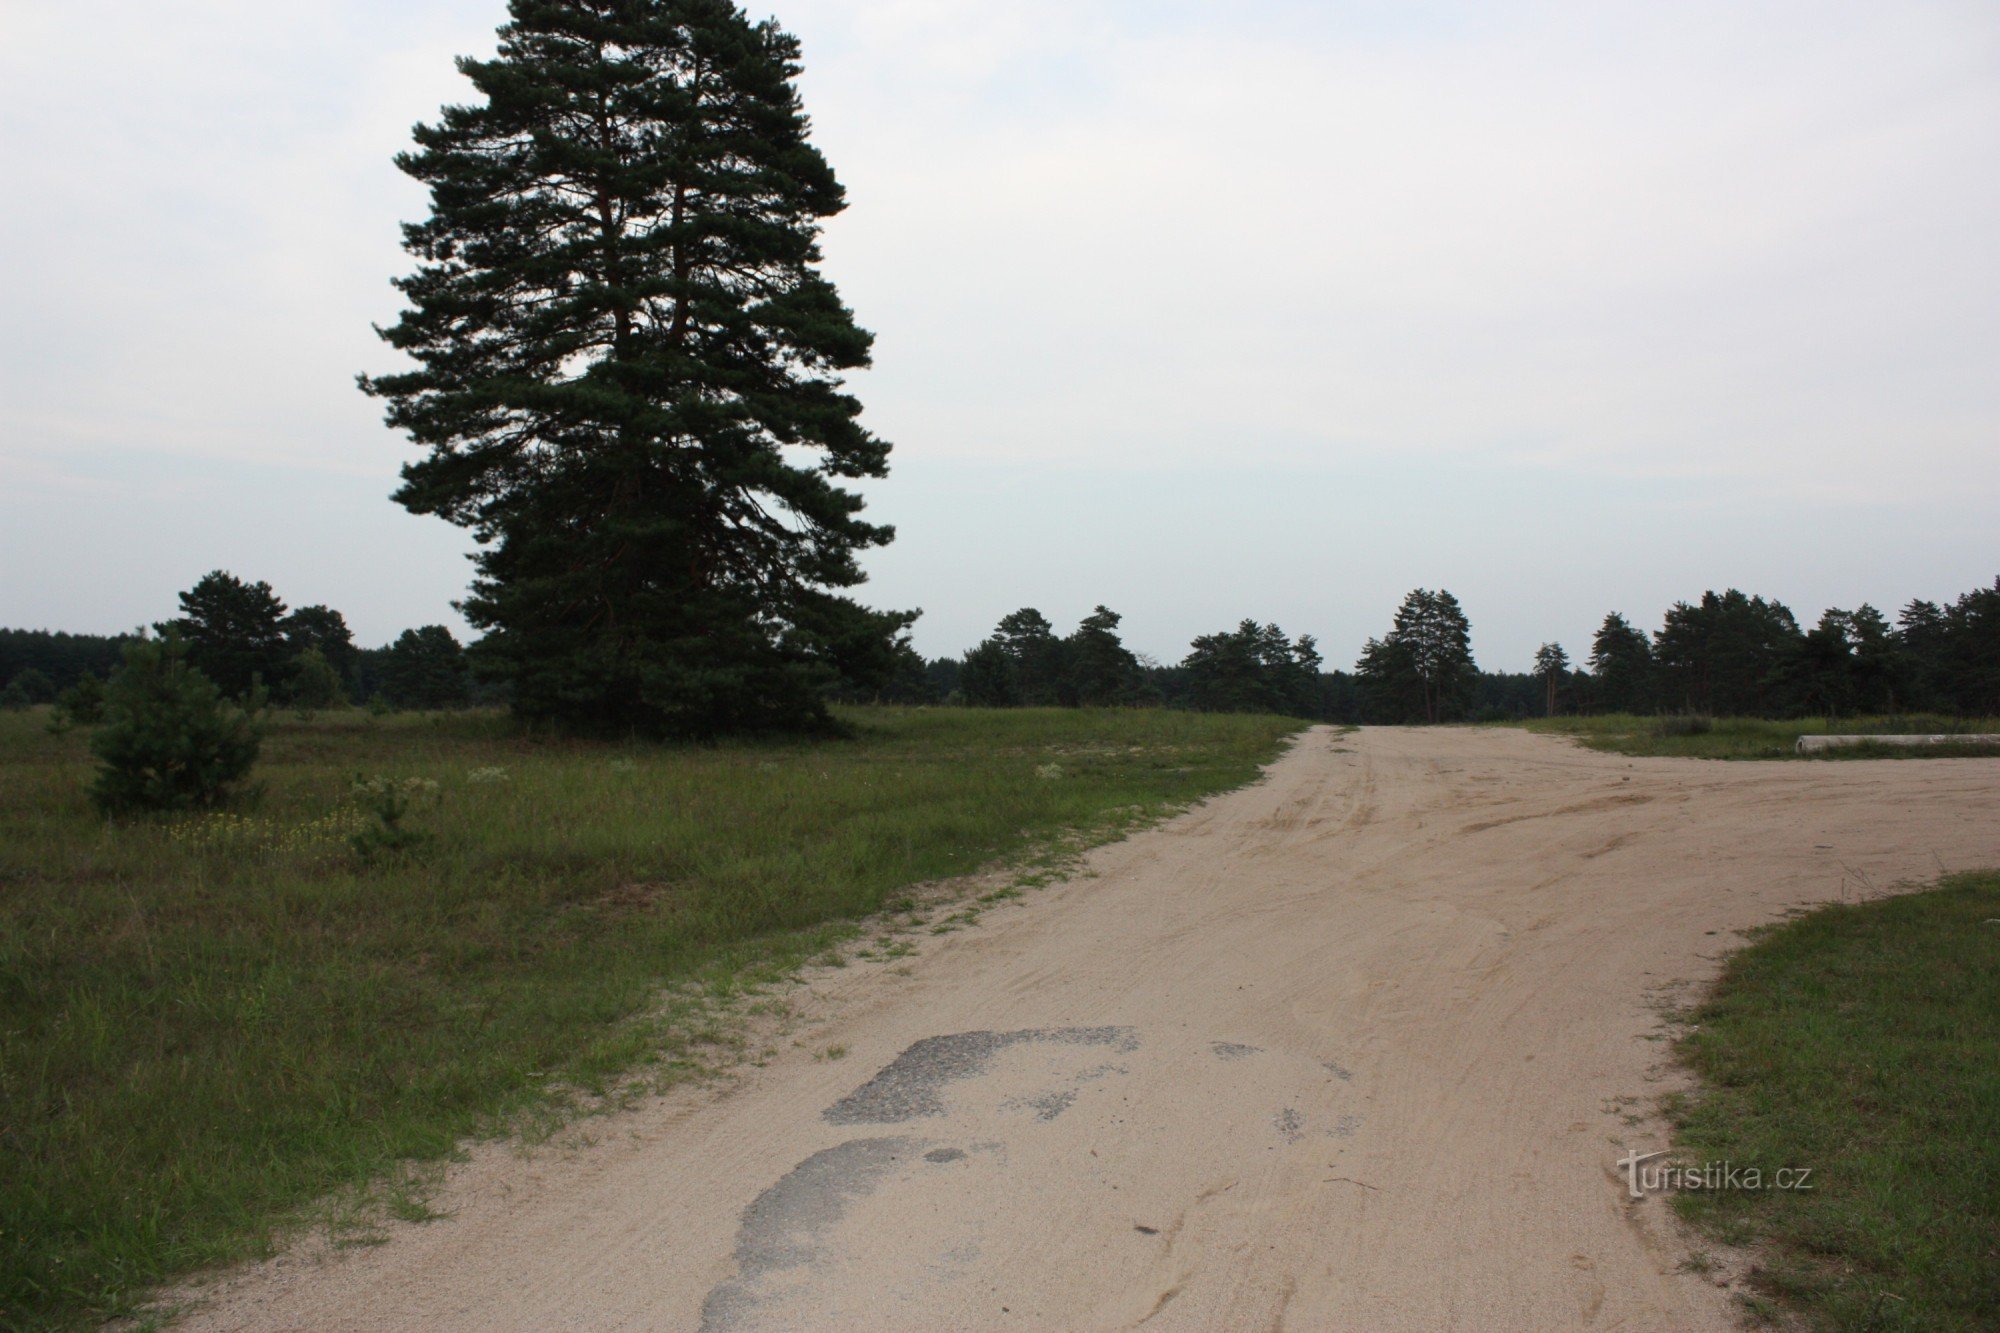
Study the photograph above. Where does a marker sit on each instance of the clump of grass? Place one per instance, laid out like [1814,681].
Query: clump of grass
[230,834]
[1863,1042]
[208,1024]
[1683,724]
[389,802]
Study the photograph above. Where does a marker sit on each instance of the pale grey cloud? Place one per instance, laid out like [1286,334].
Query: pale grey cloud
[1197,311]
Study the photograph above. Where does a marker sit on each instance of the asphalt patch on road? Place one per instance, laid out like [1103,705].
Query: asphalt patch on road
[912,1085]
[786,1226]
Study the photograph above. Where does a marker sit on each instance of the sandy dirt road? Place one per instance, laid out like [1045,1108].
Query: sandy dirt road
[1344,1050]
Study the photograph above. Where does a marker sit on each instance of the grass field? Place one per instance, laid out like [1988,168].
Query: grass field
[1760,738]
[1862,1042]
[209,1023]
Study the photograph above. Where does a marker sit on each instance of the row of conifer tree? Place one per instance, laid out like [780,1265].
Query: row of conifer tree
[1725,654]
[244,639]
[1728,654]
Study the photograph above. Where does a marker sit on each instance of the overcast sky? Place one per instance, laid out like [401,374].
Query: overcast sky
[1201,310]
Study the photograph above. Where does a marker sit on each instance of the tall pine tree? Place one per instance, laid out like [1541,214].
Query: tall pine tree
[1552,665]
[234,633]
[1422,671]
[1101,670]
[1621,665]
[628,373]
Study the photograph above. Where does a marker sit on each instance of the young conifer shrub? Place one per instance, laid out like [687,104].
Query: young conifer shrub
[168,741]
[83,702]
[314,684]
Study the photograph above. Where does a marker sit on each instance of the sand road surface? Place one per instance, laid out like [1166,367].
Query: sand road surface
[1354,1048]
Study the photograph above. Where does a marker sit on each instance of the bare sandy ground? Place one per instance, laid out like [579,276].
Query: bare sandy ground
[1355,1048]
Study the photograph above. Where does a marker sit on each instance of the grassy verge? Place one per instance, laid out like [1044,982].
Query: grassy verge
[1763,738]
[1862,1042]
[206,1024]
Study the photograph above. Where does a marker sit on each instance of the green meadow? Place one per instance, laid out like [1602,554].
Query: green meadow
[428,927]
[1861,1042]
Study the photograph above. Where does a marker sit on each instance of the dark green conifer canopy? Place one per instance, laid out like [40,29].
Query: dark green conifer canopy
[628,372]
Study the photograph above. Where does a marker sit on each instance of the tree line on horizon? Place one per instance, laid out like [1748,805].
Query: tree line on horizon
[1732,654]
[244,639]
[1727,654]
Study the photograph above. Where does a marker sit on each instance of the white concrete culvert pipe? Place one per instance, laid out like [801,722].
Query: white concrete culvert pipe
[1809,744]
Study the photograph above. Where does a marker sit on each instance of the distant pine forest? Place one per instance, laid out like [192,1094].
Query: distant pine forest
[1727,654]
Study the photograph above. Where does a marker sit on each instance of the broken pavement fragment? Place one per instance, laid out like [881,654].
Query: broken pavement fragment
[912,1085]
